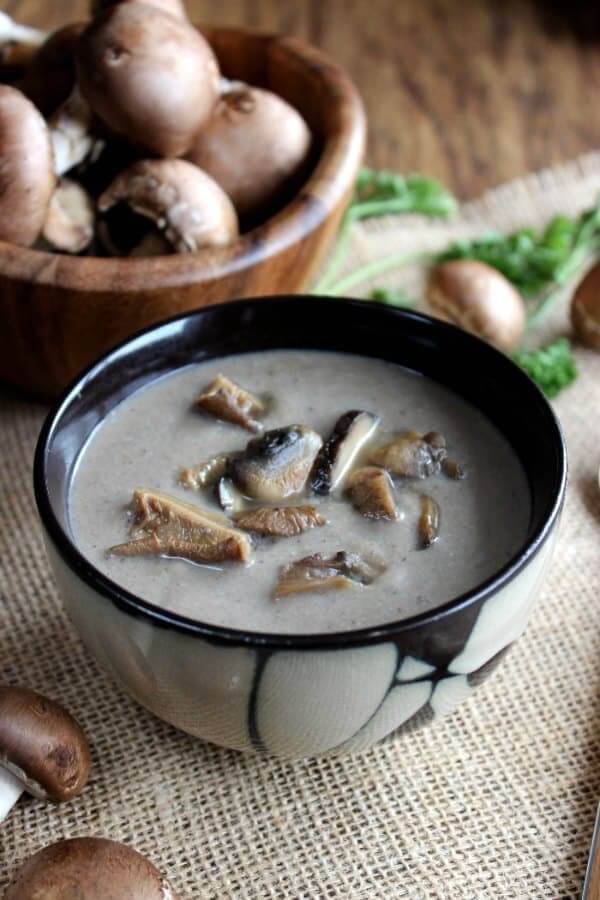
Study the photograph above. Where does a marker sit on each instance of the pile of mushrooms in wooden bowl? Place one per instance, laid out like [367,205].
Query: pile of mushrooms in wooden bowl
[149,167]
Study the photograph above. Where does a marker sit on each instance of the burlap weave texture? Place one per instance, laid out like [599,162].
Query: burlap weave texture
[496,801]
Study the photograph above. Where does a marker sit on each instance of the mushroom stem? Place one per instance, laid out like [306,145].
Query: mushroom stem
[72,140]
[10,791]
[12,32]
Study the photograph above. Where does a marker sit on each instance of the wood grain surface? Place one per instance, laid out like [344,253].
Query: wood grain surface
[474,92]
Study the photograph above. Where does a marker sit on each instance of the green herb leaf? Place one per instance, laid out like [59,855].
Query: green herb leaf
[379,192]
[391,297]
[535,261]
[551,367]
[410,194]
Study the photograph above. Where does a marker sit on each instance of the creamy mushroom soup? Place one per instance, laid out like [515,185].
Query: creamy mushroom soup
[383,524]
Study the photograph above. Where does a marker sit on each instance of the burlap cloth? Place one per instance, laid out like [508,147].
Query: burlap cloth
[498,800]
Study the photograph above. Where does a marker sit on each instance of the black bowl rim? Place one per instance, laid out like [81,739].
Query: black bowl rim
[136,606]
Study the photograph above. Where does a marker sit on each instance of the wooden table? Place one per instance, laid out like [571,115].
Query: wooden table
[475,92]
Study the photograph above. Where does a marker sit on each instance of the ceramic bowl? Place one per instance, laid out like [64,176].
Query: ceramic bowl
[59,313]
[304,695]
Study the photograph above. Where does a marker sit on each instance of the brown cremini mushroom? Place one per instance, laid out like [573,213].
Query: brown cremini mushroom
[174,7]
[27,172]
[185,205]
[69,224]
[254,146]
[150,77]
[43,750]
[585,309]
[50,76]
[479,299]
[89,868]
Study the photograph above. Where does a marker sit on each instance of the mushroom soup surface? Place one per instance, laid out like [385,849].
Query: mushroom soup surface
[370,458]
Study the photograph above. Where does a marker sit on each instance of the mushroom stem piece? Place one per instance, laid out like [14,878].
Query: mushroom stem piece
[10,791]
[70,133]
[69,225]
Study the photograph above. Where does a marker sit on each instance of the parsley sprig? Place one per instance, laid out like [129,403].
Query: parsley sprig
[382,193]
[538,262]
[551,367]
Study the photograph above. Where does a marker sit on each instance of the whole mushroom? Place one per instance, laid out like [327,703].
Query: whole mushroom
[89,868]
[150,77]
[479,299]
[27,178]
[255,146]
[174,7]
[43,750]
[181,202]
[585,309]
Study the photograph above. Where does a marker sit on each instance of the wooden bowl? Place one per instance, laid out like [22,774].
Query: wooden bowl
[59,313]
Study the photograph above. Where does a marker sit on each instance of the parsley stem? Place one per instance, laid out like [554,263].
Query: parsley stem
[337,258]
[367,209]
[377,267]
[542,308]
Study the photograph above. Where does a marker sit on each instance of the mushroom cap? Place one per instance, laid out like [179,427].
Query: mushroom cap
[174,7]
[253,146]
[50,77]
[150,77]
[183,202]
[27,172]
[585,309]
[89,869]
[42,745]
[479,299]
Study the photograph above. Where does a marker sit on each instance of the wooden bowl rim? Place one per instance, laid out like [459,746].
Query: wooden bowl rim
[343,147]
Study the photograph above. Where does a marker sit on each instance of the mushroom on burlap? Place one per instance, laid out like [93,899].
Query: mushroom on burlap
[43,750]
[89,868]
